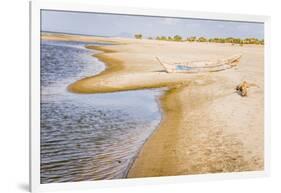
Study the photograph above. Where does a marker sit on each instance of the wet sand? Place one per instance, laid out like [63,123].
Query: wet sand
[206,126]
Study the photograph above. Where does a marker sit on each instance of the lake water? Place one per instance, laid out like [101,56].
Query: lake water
[88,136]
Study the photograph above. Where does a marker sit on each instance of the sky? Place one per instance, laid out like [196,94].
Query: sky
[127,25]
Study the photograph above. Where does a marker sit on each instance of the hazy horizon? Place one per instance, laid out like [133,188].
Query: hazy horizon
[116,25]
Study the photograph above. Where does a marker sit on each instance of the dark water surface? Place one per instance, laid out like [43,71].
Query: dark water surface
[88,136]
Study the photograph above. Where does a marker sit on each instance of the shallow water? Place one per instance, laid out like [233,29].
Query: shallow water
[88,136]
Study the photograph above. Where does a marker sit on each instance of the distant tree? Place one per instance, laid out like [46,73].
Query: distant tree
[229,40]
[191,39]
[177,38]
[251,41]
[246,41]
[202,39]
[237,40]
[150,38]
[138,36]
[220,40]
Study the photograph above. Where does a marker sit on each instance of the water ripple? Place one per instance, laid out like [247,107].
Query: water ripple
[88,136]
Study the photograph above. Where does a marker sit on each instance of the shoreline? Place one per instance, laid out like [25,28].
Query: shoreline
[168,117]
[184,143]
[163,101]
[113,66]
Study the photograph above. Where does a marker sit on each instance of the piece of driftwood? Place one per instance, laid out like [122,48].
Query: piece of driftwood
[242,88]
[201,65]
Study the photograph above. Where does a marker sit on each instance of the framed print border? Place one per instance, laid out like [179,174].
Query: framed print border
[37,6]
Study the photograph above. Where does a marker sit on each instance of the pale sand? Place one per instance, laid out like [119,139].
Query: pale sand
[206,126]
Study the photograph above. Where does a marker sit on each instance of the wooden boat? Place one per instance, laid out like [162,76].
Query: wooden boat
[201,65]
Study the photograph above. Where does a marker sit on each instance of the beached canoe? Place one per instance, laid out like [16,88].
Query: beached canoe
[201,65]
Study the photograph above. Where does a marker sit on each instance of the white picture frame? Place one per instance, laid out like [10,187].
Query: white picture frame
[36,6]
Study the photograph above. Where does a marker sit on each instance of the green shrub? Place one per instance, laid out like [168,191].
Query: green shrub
[191,39]
[202,39]
[177,38]
[138,36]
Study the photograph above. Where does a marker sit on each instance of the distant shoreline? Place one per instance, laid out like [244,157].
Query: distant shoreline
[75,34]
[200,131]
[230,40]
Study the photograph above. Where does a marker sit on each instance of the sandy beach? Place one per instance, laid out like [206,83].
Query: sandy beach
[206,126]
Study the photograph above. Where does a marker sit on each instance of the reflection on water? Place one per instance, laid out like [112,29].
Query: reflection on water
[88,136]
